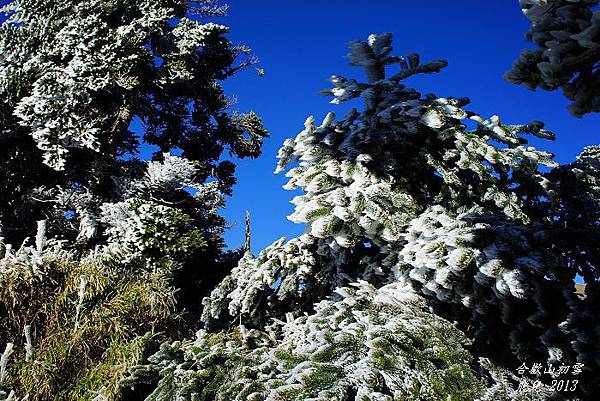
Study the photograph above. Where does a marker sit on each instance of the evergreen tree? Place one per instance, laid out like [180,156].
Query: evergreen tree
[128,246]
[74,78]
[75,75]
[369,344]
[406,195]
[566,33]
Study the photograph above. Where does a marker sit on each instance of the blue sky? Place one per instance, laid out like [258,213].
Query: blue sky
[302,43]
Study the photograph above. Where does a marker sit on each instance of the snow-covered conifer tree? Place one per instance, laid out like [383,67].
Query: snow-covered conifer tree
[370,344]
[419,194]
[75,76]
[128,247]
[85,89]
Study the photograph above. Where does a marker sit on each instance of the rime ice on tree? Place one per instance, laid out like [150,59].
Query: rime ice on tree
[567,56]
[403,195]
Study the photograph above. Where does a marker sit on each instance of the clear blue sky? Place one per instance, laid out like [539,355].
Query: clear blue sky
[302,43]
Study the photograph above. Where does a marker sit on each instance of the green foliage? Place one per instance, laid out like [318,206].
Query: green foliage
[89,321]
[367,344]
[151,232]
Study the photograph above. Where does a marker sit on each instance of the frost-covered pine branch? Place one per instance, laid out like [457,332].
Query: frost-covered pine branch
[567,53]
